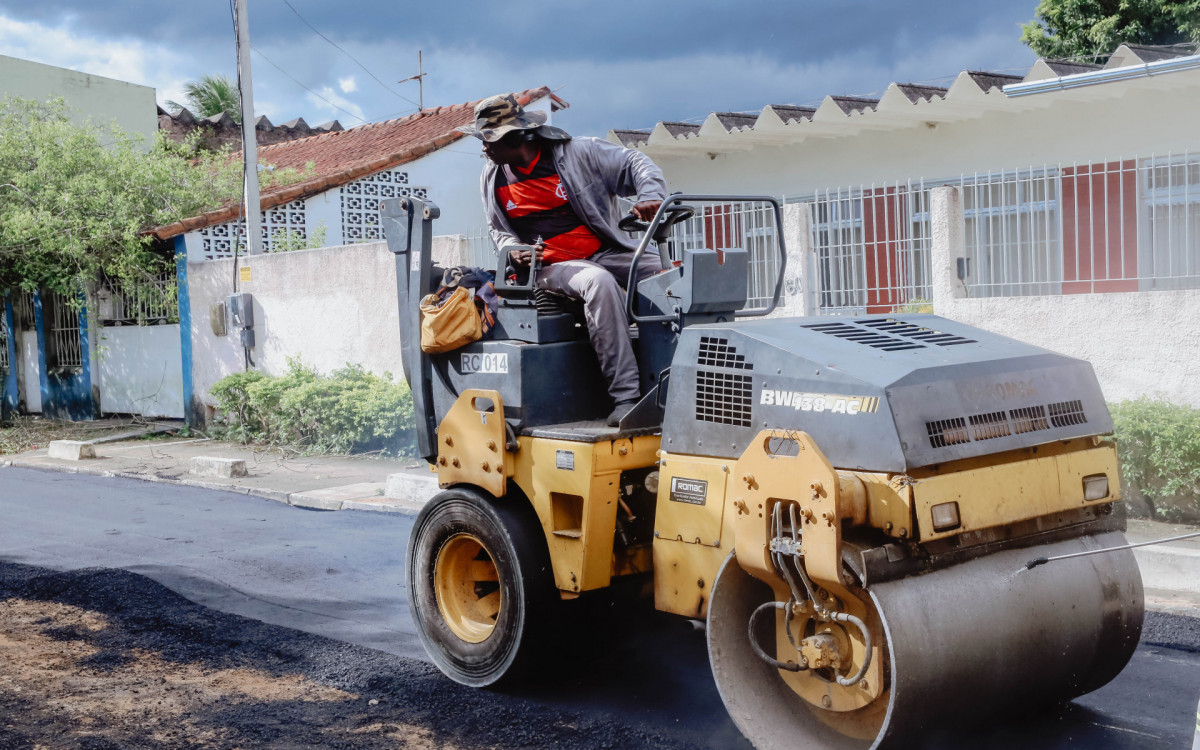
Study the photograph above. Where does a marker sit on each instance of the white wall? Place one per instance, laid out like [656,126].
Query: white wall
[140,371]
[452,175]
[329,307]
[1140,343]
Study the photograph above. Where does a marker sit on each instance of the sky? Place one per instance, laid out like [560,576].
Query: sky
[619,64]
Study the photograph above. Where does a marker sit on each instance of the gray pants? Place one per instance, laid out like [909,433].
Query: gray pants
[599,281]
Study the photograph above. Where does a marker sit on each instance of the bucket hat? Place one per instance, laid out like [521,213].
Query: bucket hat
[500,115]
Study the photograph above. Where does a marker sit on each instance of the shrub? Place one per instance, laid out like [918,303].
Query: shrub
[233,398]
[1159,447]
[348,411]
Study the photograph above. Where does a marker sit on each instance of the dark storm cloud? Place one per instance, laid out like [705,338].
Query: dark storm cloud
[177,23]
[621,64]
[568,30]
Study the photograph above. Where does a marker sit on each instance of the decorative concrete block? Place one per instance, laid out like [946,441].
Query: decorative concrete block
[226,468]
[413,488]
[71,450]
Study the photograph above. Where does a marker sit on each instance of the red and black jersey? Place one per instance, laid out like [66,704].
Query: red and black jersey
[535,202]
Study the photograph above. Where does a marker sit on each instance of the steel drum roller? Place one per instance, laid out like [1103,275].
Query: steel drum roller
[968,640]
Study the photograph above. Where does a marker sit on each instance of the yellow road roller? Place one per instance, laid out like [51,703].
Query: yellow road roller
[848,503]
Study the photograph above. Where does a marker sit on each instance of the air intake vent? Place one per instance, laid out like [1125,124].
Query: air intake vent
[1066,413]
[988,426]
[1029,419]
[945,432]
[913,331]
[865,336]
[997,424]
[715,352]
[723,398]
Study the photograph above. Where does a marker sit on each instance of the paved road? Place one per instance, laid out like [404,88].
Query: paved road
[340,575]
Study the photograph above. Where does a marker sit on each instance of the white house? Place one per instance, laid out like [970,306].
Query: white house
[1061,207]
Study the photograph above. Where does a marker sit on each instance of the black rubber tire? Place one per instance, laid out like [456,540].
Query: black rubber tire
[510,534]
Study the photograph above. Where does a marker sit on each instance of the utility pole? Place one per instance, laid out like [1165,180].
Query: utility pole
[420,79]
[253,206]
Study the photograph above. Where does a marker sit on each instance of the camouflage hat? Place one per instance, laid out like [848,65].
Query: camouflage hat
[499,115]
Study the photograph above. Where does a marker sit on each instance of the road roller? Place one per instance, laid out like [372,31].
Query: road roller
[849,504]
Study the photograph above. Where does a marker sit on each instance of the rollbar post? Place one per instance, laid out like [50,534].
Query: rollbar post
[408,228]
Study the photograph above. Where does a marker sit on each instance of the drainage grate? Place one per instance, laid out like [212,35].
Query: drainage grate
[1029,419]
[715,352]
[864,336]
[723,398]
[988,426]
[1066,413]
[913,331]
[945,432]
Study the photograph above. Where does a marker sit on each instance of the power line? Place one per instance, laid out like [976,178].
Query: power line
[347,54]
[306,88]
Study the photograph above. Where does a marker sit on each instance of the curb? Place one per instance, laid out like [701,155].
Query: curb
[308,500]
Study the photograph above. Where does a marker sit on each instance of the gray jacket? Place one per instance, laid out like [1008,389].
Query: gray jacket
[595,173]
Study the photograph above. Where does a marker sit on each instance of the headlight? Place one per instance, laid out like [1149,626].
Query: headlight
[1095,487]
[945,516]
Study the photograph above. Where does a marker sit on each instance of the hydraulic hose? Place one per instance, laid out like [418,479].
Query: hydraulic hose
[790,666]
[862,628]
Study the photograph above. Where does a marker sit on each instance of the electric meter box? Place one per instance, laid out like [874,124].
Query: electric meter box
[241,310]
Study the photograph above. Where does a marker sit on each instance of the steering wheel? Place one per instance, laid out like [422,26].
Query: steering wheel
[672,216]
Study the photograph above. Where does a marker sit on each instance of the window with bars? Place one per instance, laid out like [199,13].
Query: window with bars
[151,303]
[872,248]
[64,343]
[1169,247]
[1012,233]
[23,319]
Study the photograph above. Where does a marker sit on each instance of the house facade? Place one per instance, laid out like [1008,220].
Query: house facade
[1073,190]
[51,348]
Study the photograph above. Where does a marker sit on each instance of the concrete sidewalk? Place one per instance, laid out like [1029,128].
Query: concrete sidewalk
[1170,572]
[317,482]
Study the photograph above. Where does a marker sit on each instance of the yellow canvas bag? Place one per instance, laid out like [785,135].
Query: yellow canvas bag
[446,326]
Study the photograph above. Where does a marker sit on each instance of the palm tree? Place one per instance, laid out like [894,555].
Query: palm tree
[211,95]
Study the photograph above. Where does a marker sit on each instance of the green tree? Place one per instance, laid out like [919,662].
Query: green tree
[76,201]
[1090,29]
[211,95]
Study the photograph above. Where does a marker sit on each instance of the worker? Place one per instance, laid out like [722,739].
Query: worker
[558,194]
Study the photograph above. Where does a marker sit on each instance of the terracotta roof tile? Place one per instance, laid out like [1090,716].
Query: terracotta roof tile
[338,157]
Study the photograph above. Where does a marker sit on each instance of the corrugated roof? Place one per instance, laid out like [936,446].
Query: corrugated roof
[850,104]
[733,120]
[1150,53]
[987,80]
[631,138]
[788,112]
[1068,68]
[680,128]
[342,156]
[916,92]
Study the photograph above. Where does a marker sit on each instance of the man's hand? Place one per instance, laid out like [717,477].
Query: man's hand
[522,257]
[645,210]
